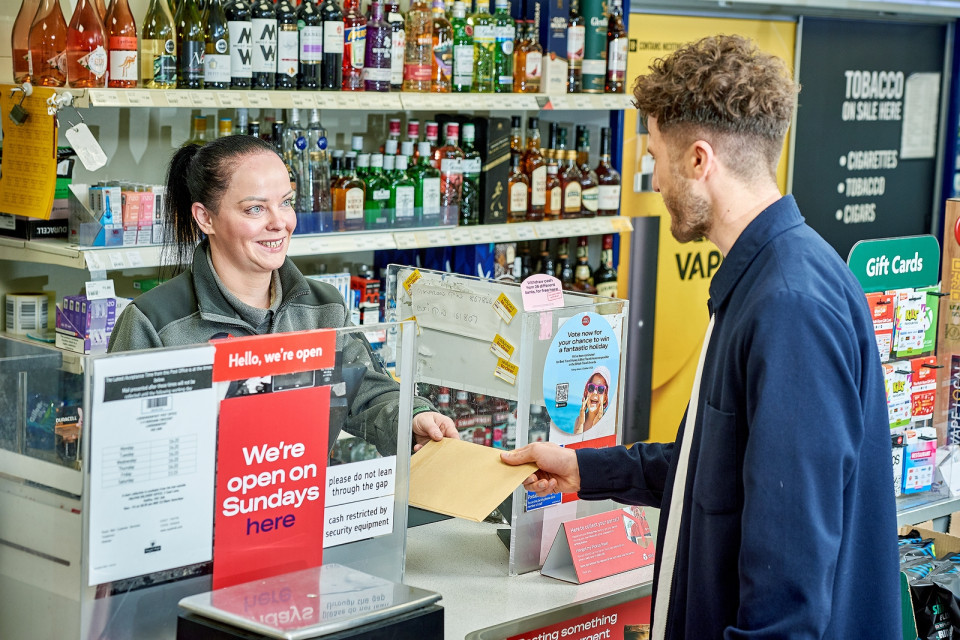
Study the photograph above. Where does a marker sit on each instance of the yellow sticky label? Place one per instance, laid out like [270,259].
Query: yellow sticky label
[413,277]
[505,308]
[506,371]
[501,348]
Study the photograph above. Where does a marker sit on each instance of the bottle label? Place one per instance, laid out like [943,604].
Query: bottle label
[518,197]
[382,194]
[576,36]
[353,203]
[556,198]
[463,64]
[593,67]
[417,72]
[405,200]
[617,60]
[443,59]
[590,198]
[123,62]
[398,44]
[484,34]
[191,60]
[505,35]
[264,59]
[288,51]
[451,166]
[157,64]
[216,67]
[538,187]
[95,61]
[241,48]
[311,44]
[609,197]
[534,65]
[571,198]
[374,74]
[355,44]
[333,37]
[431,196]
[607,289]
[471,167]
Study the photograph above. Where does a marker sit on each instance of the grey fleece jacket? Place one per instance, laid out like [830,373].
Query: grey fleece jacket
[194,307]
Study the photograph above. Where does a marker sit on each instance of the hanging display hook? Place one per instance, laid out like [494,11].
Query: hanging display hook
[58,101]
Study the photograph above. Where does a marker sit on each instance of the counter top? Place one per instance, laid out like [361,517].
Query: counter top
[467,564]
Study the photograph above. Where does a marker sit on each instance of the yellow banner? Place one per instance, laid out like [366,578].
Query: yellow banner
[683,270]
[28,174]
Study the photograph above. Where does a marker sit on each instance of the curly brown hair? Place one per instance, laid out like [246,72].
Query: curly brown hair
[725,90]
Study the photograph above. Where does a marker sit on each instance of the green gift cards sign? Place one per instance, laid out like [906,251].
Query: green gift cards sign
[896,263]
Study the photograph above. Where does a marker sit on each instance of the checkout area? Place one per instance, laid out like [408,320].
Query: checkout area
[174,493]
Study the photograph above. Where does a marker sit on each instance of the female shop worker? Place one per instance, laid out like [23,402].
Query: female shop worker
[235,194]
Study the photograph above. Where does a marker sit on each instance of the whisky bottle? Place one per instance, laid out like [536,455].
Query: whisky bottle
[576,41]
[348,198]
[582,273]
[529,62]
[590,192]
[608,179]
[535,167]
[616,50]
[605,277]
[518,185]
[564,267]
[516,136]
[570,186]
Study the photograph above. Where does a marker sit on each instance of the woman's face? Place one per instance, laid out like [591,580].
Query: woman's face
[596,392]
[250,232]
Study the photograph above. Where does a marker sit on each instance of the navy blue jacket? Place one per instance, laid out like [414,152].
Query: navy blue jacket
[789,522]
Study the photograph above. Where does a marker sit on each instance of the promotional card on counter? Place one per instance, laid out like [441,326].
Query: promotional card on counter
[601,545]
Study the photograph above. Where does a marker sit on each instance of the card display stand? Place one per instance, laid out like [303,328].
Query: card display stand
[82,503]
[539,363]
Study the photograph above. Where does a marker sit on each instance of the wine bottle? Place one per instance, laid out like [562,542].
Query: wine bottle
[122,44]
[86,47]
[158,48]
[190,45]
[311,44]
[216,47]
[240,43]
[263,62]
[288,45]
[48,45]
[331,69]
[20,41]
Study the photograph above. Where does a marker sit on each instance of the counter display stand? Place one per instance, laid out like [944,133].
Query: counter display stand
[540,362]
[111,470]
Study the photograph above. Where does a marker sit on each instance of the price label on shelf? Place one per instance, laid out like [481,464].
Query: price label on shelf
[229,99]
[526,232]
[461,235]
[323,100]
[382,241]
[438,238]
[139,98]
[480,235]
[319,245]
[502,233]
[303,101]
[135,259]
[116,260]
[202,99]
[560,102]
[105,98]
[405,240]
[553,229]
[97,289]
[258,99]
[94,263]
[599,225]
[177,98]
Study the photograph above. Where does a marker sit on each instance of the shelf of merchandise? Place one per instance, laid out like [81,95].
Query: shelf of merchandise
[346,100]
[148,256]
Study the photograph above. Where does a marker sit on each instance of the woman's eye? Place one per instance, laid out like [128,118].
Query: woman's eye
[288,202]
[255,209]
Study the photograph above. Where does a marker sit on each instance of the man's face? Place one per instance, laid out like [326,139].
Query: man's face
[690,214]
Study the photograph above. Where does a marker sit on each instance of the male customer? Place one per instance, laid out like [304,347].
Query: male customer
[778,517]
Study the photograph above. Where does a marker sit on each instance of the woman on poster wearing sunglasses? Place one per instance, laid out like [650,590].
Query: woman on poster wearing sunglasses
[595,400]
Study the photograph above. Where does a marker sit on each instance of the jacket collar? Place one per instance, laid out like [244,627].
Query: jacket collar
[210,299]
[770,223]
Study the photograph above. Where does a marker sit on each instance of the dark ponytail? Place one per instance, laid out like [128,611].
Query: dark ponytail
[199,174]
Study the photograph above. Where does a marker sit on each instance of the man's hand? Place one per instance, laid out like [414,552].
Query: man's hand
[430,425]
[559,470]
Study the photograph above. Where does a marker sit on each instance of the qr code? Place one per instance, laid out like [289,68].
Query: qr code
[563,394]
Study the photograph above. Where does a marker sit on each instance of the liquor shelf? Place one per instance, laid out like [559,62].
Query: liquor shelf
[148,256]
[346,100]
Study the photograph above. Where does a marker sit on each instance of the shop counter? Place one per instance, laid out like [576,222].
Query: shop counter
[467,564]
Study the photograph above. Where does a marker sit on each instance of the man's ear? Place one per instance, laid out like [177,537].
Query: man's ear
[702,160]
[202,217]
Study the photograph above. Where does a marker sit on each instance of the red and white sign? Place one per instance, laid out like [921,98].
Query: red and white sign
[271,469]
[273,354]
[601,545]
[620,622]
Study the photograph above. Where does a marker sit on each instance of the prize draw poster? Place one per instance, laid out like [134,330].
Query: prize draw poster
[580,379]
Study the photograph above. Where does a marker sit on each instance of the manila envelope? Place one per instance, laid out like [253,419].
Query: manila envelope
[462,479]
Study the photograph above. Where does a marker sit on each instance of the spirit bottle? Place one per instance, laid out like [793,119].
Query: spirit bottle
[288,45]
[451,175]
[321,199]
[554,204]
[605,277]
[470,192]
[413,136]
[216,53]
[86,47]
[376,207]
[348,198]
[20,41]
[607,178]
[546,265]
[331,69]
[240,36]
[590,191]
[376,62]
[484,43]
[518,186]
[48,45]
[403,196]
[263,62]
[616,49]
[354,46]
[505,30]
[418,59]
[564,267]
[442,67]
[462,49]
[582,273]
[311,45]
[433,137]
[576,40]
[426,179]
[158,48]
[535,167]
[529,62]
[122,43]
[570,186]
[398,44]
[516,136]
[393,132]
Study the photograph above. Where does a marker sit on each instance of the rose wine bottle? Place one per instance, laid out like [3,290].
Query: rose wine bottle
[122,42]
[86,47]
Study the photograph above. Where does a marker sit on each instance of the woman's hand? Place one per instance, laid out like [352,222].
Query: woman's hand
[430,425]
